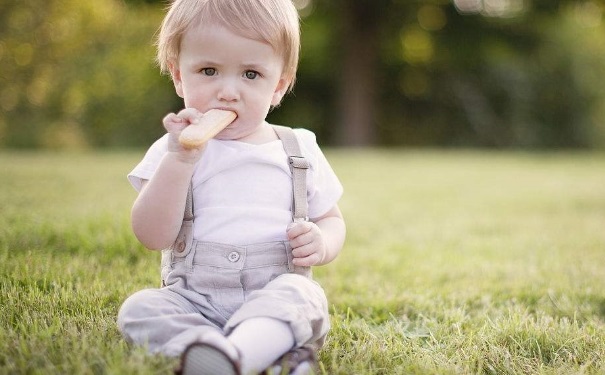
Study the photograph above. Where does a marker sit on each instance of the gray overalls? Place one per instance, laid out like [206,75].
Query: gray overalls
[211,286]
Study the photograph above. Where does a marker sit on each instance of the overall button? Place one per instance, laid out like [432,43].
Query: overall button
[233,256]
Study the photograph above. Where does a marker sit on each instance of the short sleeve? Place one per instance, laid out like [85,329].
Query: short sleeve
[147,167]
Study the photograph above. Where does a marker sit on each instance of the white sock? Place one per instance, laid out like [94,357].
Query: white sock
[260,342]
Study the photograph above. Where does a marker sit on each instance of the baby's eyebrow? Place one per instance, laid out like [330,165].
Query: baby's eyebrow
[206,62]
[255,66]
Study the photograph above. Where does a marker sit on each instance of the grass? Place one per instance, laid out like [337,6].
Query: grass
[456,262]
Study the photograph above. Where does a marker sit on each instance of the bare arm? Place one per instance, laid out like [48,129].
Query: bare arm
[319,241]
[157,212]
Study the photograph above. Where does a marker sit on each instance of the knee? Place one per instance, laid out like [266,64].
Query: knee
[299,287]
[295,299]
[133,309]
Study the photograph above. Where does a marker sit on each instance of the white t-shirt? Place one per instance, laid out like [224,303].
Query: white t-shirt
[242,193]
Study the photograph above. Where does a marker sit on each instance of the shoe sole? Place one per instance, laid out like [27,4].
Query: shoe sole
[203,359]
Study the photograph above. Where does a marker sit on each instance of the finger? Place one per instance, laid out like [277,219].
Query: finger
[303,250]
[302,240]
[297,229]
[173,123]
[308,261]
[190,115]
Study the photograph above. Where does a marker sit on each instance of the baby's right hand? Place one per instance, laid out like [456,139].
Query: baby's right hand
[174,125]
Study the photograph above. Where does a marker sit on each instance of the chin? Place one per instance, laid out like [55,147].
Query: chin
[231,133]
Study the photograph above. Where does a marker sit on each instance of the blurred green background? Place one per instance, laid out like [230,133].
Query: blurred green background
[439,73]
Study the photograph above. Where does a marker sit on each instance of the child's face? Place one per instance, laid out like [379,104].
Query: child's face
[220,69]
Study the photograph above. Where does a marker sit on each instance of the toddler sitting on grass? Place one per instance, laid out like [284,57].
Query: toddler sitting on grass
[243,217]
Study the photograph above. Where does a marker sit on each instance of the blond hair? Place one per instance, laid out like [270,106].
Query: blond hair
[274,22]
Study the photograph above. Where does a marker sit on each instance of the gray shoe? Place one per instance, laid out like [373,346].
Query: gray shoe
[205,359]
[213,355]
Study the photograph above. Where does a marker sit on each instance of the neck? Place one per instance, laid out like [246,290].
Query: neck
[263,134]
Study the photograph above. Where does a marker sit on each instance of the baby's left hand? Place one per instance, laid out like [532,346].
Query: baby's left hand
[308,247]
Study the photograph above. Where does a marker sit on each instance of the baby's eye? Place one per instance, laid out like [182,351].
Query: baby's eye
[208,71]
[251,74]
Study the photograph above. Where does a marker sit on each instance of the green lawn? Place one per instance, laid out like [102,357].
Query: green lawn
[456,262]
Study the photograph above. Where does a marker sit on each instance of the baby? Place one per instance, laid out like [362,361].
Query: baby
[243,217]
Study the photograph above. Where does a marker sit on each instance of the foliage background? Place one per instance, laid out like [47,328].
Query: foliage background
[501,252]
[488,73]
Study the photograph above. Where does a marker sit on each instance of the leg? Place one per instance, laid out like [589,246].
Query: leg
[290,311]
[296,300]
[260,341]
[163,320]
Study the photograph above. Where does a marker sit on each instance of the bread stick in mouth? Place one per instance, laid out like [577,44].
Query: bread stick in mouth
[209,125]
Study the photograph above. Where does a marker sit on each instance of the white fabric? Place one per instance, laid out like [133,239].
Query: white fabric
[242,193]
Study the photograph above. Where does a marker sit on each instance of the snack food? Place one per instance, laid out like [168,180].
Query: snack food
[209,125]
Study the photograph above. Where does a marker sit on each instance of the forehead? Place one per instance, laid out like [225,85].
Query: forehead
[220,42]
[246,19]
[208,26]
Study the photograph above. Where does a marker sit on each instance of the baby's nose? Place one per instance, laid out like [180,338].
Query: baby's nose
[228,91]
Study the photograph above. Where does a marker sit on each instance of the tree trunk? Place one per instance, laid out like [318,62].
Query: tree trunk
[356,122]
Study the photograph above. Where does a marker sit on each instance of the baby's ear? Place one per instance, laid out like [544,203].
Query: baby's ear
[175,73]
[280,90]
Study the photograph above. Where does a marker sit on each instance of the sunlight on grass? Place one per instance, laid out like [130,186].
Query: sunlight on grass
[455,262]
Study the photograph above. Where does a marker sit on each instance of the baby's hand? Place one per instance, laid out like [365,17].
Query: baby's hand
[174,125]
[308,247]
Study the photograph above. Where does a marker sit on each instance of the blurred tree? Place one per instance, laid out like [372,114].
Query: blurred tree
[78,73]
[463,72]
[359,35]
[497,73]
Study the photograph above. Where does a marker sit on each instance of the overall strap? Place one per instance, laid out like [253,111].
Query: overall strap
[298,167]
[185,237]
[189,204]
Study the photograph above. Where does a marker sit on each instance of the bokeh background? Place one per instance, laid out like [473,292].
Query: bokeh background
[515,74]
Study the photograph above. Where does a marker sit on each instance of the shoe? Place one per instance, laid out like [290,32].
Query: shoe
[298,361]
[211,356]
